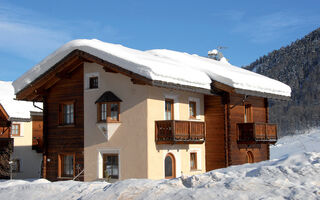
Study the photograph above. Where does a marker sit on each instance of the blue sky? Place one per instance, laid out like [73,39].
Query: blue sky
[31,30]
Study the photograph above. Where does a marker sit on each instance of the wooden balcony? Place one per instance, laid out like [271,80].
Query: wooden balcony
[37,144]
[180,132]
[257,133]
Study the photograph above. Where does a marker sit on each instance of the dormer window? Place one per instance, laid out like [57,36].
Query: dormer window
[108,107]
[93,82]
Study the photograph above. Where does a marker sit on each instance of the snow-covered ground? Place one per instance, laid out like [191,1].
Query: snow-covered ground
[292,173]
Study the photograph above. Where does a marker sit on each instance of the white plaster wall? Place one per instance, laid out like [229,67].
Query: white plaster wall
[30,160]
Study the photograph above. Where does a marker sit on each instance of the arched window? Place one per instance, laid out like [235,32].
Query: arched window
[250,158]
[170,166]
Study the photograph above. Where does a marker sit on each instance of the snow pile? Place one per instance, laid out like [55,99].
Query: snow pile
[295,176]
[162,65]
[290,145]
[14,108]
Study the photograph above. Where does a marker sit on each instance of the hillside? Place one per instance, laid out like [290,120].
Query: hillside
[297,65]
[292,174]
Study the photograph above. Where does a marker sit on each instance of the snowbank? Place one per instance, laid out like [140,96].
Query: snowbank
[290,145]
[295,175]
[14,108]
[162,65]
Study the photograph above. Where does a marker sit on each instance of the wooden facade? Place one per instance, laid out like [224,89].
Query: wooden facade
[64,139]
[6,143]
[225,145]
[37,132]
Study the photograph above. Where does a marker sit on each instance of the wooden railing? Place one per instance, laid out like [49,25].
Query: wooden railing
[257,133]
[177,131]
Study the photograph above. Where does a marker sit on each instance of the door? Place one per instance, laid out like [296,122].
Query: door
[170,166]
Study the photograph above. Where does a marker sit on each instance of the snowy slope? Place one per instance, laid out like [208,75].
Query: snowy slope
[292,176]
[14,108]
[162,65]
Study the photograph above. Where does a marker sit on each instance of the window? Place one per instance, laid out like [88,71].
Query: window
[15,166]
[193,160]
[108,112]
[93,82]
[169,115]
[66,113]
[110,166]
[66,165]
[15,130]
[192,109]
[248,113]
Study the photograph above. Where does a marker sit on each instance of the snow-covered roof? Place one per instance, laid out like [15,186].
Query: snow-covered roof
[162,65]
[15,108]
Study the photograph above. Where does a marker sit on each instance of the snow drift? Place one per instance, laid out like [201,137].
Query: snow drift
[290,176]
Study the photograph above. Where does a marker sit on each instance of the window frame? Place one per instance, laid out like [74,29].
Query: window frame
[18,129]
[62,120]
[104,155]
[108,112]
[93,86]
[194,116]
[195,161]
[171,101]
[61,173]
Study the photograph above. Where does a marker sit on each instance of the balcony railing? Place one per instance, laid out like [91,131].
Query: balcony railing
[179,132]
[257,133]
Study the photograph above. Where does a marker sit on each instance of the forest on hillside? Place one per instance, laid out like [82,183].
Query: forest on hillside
[297,65]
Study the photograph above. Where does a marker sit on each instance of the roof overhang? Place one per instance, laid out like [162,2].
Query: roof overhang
[36,90]
[216,85]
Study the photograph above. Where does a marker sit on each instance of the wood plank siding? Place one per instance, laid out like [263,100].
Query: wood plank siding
[215,132]
[64,139]
[238,152]
[222,114]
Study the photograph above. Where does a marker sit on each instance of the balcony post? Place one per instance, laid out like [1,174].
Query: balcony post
[173,130]
[189,134]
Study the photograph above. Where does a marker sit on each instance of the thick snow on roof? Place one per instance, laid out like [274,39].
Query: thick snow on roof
[294,175]
[162,65]
[14,108]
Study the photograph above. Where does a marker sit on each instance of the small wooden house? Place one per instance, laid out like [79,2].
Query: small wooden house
[116,113]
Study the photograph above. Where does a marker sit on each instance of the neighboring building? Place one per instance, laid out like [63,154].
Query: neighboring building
[25,127]
[120,113]
[6,144]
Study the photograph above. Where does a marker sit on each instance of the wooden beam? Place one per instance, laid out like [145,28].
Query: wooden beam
[138,82]
[115,68]
[107,69]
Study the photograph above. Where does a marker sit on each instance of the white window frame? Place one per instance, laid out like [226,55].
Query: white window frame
[87,80]
[100,161]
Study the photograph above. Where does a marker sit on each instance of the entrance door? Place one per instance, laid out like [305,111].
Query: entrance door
[170,166]
[250,158]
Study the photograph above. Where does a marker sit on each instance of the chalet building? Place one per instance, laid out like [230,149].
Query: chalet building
[117,113]
[21,123]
